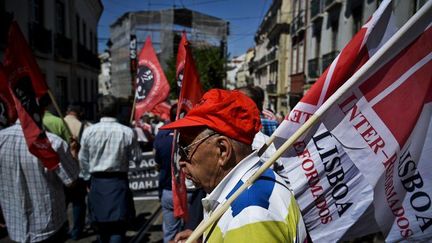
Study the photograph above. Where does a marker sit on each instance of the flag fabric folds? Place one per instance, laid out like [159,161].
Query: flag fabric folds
[181,59]
[321,174]
[385,121]
[152,86]
[162,110]
[27,86]
[8,113]
[190,93]
[364,168]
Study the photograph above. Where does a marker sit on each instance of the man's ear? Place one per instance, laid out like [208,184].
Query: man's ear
[225,152]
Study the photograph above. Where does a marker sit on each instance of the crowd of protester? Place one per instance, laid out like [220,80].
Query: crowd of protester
[92,175]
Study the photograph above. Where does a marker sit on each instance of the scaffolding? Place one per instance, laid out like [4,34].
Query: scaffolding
[165,28]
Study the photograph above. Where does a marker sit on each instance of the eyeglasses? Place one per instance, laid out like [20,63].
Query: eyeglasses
[185,152]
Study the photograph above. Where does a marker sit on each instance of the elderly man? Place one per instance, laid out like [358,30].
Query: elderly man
[216,154]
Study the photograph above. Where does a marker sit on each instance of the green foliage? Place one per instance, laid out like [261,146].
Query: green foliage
[210,66]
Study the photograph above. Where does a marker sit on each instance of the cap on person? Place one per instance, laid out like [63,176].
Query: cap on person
[230,113]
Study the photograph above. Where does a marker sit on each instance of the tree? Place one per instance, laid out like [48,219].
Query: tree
[210,65]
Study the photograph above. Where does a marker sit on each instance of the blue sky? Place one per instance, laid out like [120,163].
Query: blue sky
[244,17]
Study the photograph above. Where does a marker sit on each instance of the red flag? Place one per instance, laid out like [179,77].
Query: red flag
[321,212]
[162,110]
[377,133]
[27,85]
[190,93]
[191,90]
[181,59]
[8,113]
[151,84]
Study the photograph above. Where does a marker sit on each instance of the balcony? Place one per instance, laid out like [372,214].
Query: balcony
[269,58]
[40,38]
[271,88]
[327,59]
[63,46]
[5,21]
[88,58]
[298,24]
[316,9]
[279,24]
[329,4]
[314,68]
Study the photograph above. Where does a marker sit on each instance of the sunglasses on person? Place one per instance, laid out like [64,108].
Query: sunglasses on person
[185,152]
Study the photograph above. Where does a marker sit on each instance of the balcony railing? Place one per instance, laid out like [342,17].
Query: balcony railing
[314,68]
[270,57]
[87,57]
[40,38]
[328,58]
[63,46]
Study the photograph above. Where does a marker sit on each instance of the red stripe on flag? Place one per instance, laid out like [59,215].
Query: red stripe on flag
[190,94]
[400,109]
[352,57]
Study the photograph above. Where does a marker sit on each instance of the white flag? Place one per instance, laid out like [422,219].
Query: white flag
[335,198]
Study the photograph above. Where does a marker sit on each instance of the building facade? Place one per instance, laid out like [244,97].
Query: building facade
[243,77]
[63,35]
[233,67]
[269,66]
[298,50]
[333,23]
[105,73]
[165,28]
[287,63]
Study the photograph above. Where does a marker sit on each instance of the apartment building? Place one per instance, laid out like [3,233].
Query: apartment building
[269,66]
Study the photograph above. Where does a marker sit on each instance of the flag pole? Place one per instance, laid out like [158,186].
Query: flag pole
[59,111]
[386,52]
[132,111]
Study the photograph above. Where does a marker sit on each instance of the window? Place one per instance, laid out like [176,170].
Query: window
[318,43]
[61,85]
[357,19]
[273,73]
[2,6]
[91,41]
[85,90]
[60,17]
[418,4]
[294,60]
[79,89]
[334,29]
[77,24]
[95,44]
[84,35]
[300,57]
[37,13]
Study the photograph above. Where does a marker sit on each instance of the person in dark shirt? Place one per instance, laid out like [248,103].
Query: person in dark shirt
[162,149]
